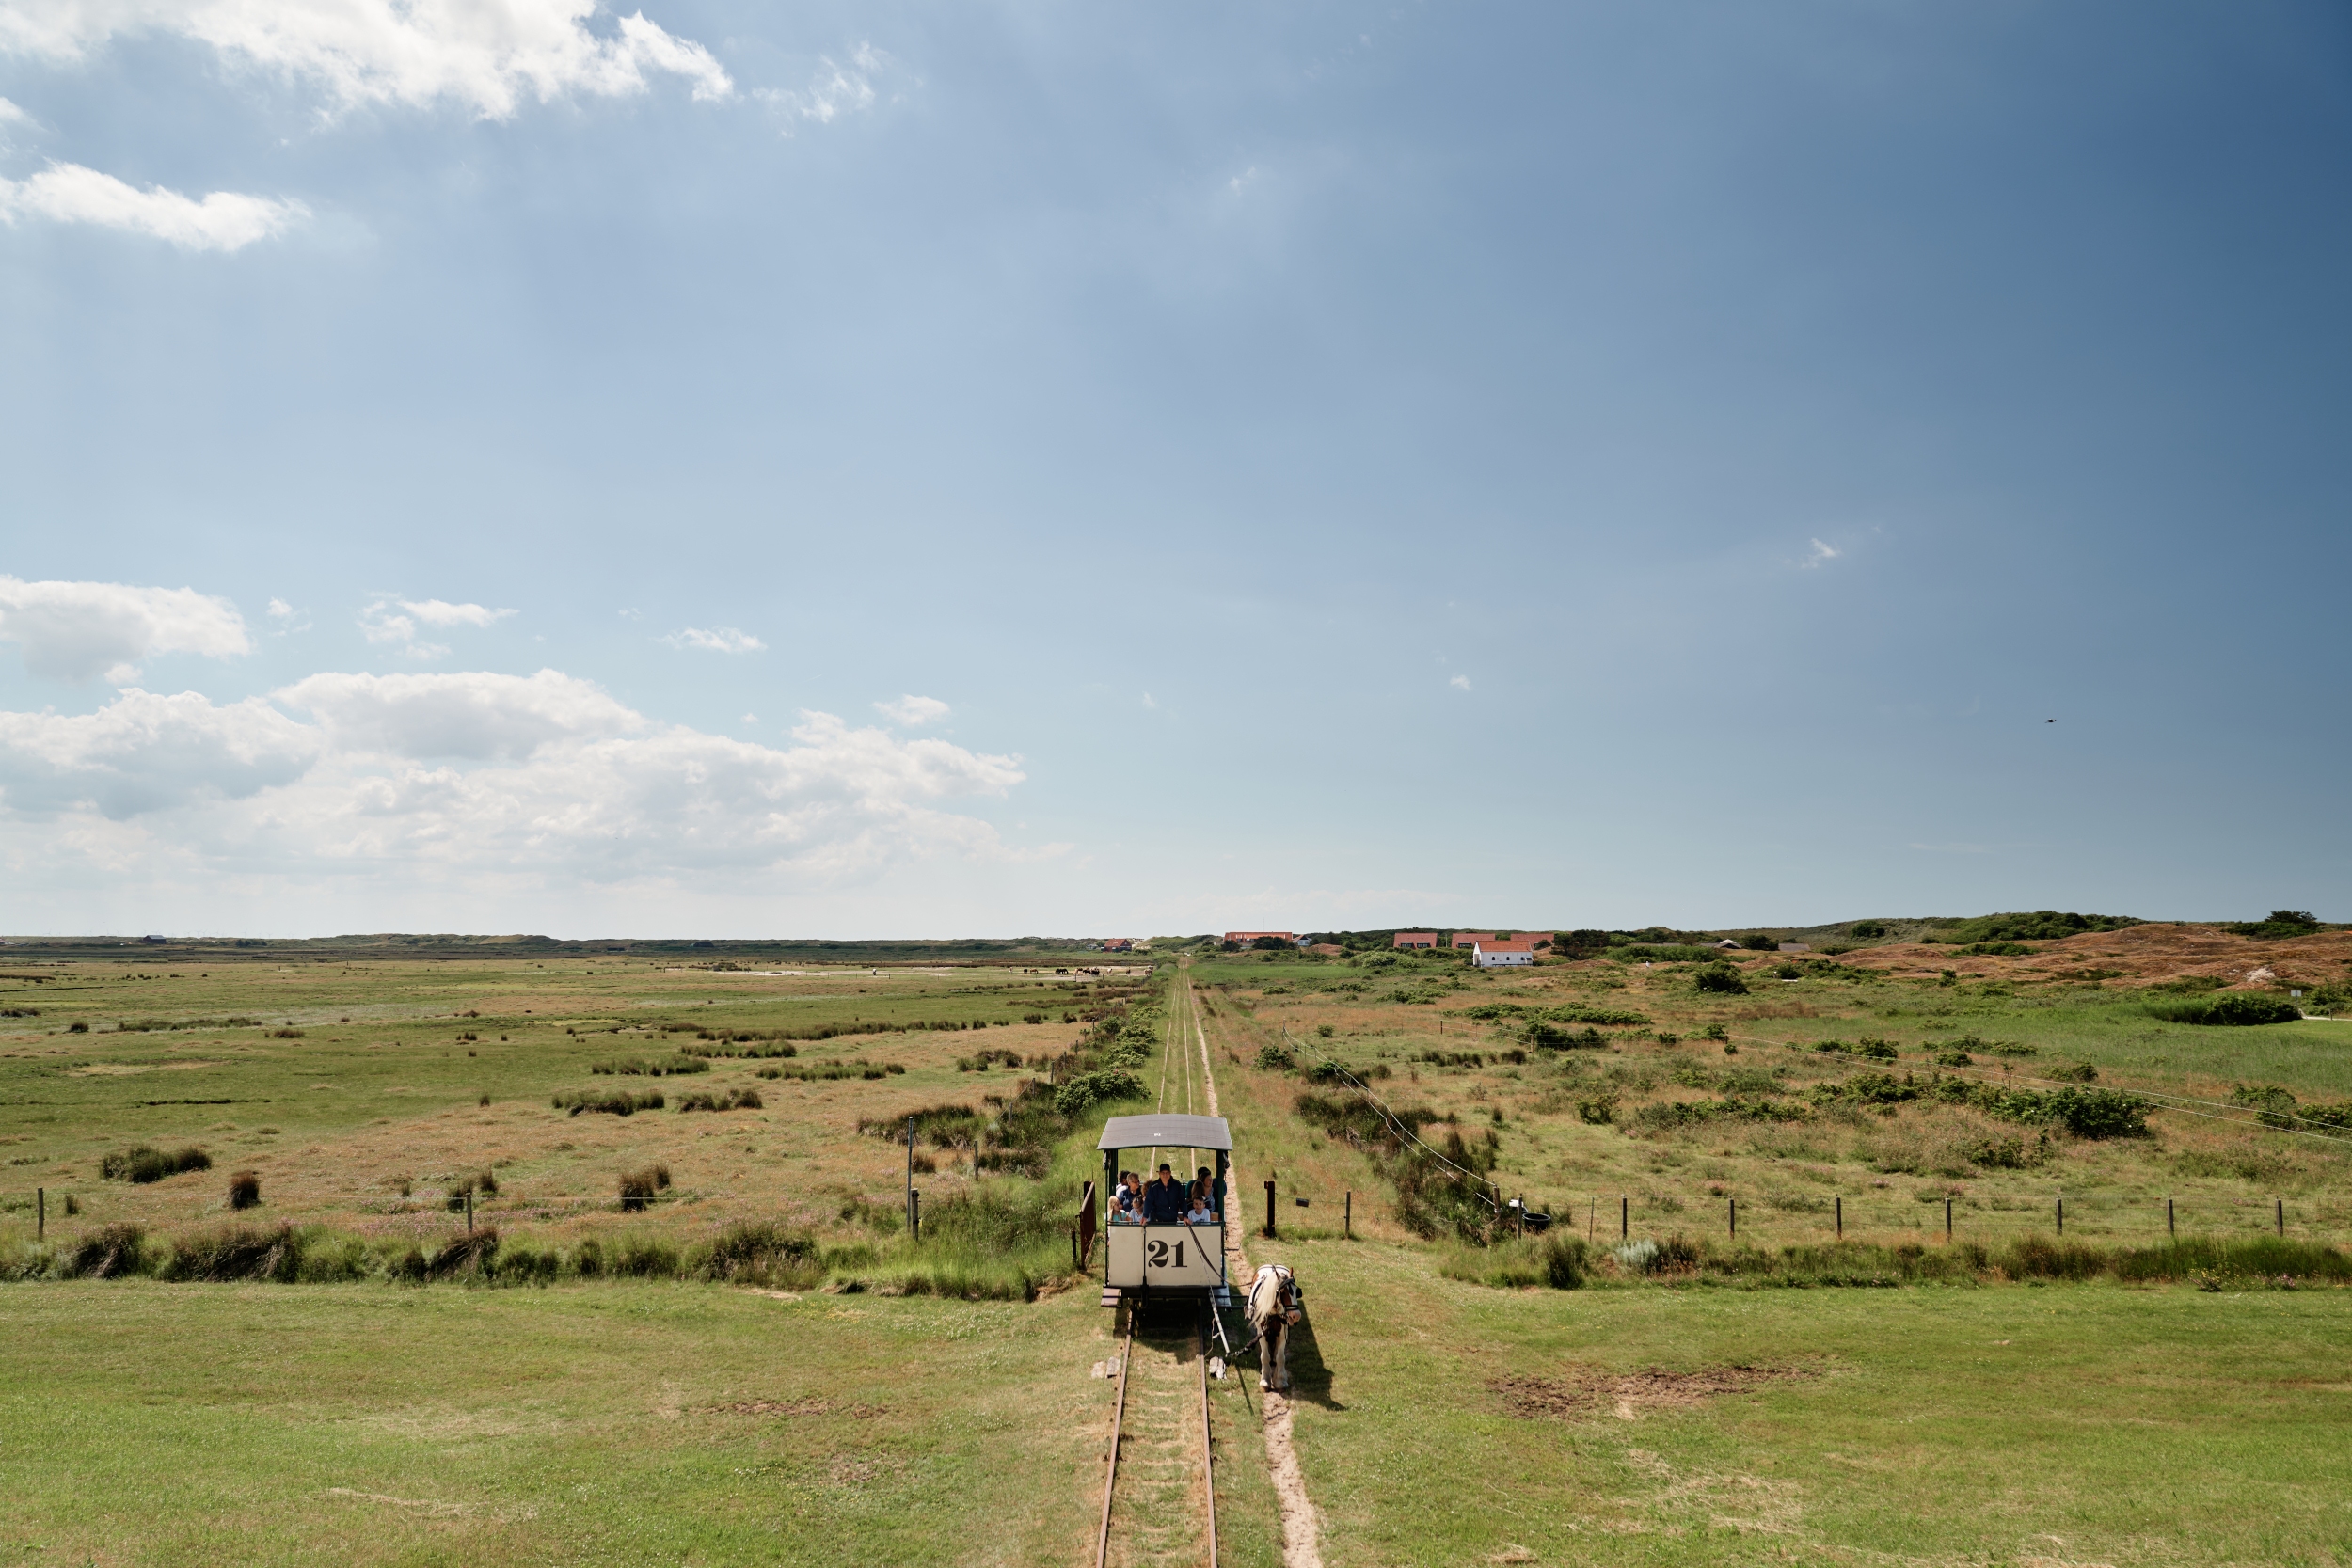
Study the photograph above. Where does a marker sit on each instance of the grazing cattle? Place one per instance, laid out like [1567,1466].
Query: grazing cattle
[1273,1308]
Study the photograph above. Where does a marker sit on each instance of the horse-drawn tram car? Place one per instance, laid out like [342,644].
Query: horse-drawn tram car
[1168,1240]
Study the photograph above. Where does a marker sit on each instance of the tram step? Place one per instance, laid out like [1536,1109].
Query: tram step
[1110,1296]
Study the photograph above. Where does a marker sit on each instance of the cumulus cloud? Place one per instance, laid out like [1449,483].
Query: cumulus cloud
[75,630]
[717,640]
[143,753]
[486,55]
[912,709]
[1820,553]
[225,220]
[440,612]
[836,89]
[476,715]
[12,115]
[542,777]
[1459,683]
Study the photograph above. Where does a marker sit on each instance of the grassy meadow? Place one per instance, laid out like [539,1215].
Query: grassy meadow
[862,1397]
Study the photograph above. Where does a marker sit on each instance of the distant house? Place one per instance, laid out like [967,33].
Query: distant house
[1415,939]
[1472,939]
[1501,954]
[1533,939]
[1119,944]
[1726,942]
[1243,939]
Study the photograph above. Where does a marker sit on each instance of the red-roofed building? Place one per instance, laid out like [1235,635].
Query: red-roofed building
[1533,939]
[1119,944]
[1472,939]
[1502,954]
[1243,939]
[1415,939]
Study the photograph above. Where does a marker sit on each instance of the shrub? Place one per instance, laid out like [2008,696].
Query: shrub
[2081,1072]
[1273,1058]
[1715,1032]
[1087,1090]
[142,1162]
[79,1026]
[651,1066]
[107,1252]
[473,1252]
[612,1102]
[1788,971]
[1866,929]
[237,1253]
[1598,1110]
[482,1182]
[1564,1260]
[757,1252]
[1756,941]
[245,1189]
[1954,1058]
[1721,978]
[728,1100]
[1996,950]
[2236,1010]
[638,1187]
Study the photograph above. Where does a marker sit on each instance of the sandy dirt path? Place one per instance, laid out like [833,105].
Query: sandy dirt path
[1302,1527]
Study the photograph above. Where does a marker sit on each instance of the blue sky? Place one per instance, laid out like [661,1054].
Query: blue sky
[899,469]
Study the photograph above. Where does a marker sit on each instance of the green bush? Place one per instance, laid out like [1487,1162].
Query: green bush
[1272,1056]
[760,1252]
[106,1253]
[1089,1089]
[142,1162]
[1722,979]
[2236,1010]
[245,1189]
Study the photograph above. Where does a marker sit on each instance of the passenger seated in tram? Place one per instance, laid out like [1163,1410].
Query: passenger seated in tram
[1215,1186]
[1127,1199]
[1163,1199]
[1200,1214]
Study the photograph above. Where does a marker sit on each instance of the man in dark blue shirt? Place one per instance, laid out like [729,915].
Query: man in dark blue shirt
[1163,1199]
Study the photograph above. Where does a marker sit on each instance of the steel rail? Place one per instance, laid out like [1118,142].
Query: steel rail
[1119,1416]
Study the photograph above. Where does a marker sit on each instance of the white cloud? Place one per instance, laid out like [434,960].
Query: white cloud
[440,612]
[544,779]
[12,115]
[1148,701]
[484,54]
[286,619]
[225,220]
[1460,683]
[75,630]
[833,91]
[1820,553]
[718,640]
[478,715]
[912,709]
[143,753]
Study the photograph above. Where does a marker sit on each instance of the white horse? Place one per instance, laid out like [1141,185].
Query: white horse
[1273,1308]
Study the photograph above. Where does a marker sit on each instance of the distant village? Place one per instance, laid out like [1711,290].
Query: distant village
[1487,949]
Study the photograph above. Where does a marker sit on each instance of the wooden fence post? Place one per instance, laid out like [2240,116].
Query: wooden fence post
[1948,1219]
[2061,1213]
[1841,1218]
[1269,1206]
[1625,1217]
[2282,1216]
[1735,1215]
[468,1211]
[41,1206]
[1349,1221]
[2170,1226]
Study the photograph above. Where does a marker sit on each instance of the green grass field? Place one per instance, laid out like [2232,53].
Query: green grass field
[1641,1419]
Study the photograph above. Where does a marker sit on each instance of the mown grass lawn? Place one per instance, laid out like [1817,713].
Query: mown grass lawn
[2009,1424]
[598,1423]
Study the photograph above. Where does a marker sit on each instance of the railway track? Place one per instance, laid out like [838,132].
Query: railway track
[1159,1488]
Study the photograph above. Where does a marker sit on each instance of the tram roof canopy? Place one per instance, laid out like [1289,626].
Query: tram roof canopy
[1168,1130]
